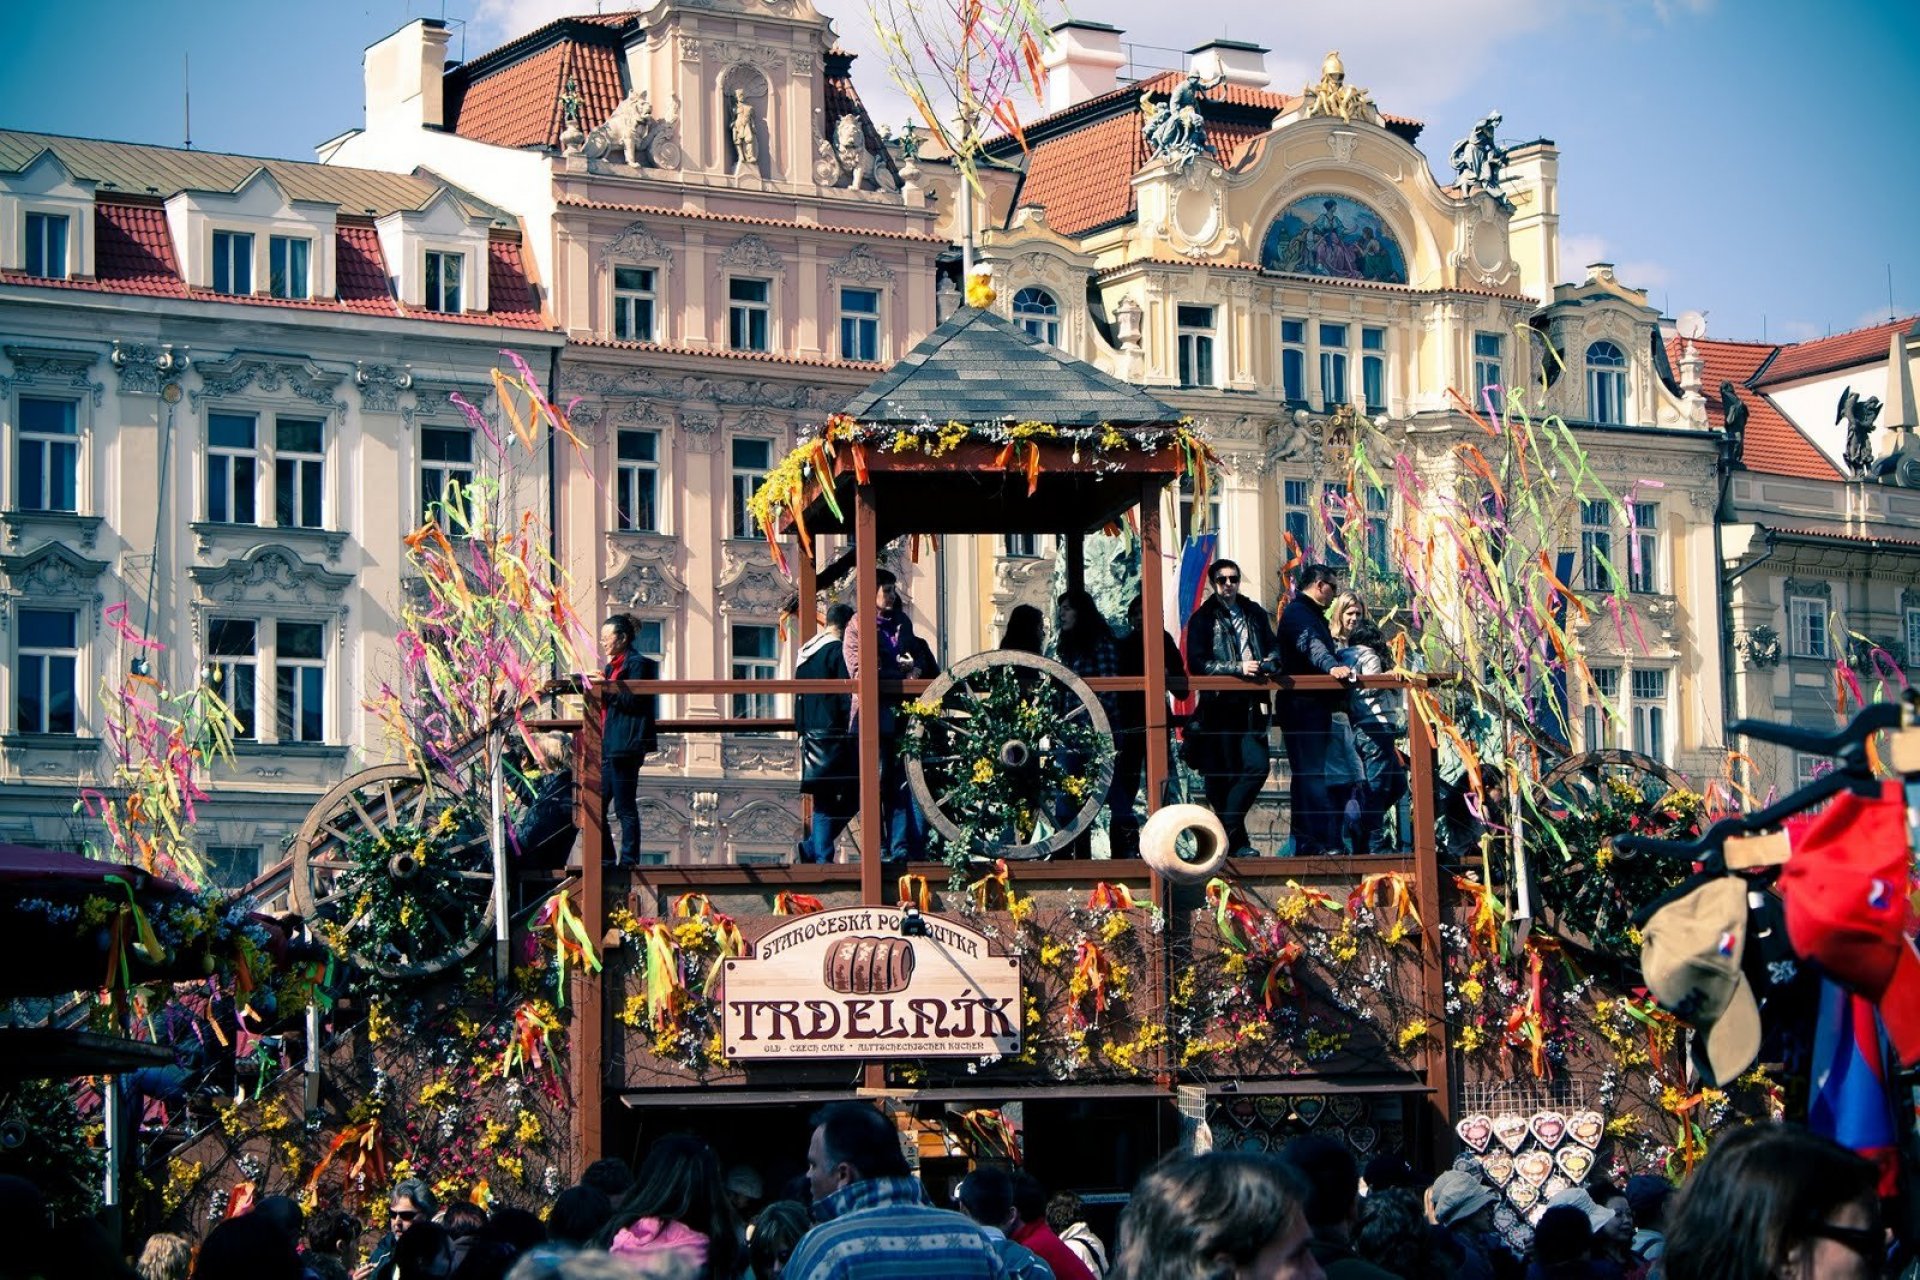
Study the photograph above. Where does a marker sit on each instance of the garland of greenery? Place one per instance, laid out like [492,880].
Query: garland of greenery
[394,915]
[1594,890]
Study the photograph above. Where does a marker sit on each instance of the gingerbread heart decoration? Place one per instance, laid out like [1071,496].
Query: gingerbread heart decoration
[1310,1108]
[1534,1168]
[1523,1195]
[1242,1111]
[1555,1185]
[1393,1135]
[1363,1137]
[1587,1128]
[1511,1130]
[1476,1131]
[1549,1127]
[1256,1140]
[1345,1107]
[1273,1108]
[1498,1166]
[1575,1162]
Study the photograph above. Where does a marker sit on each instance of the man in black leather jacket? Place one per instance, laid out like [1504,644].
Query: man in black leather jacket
[1230,635]
[1306,719]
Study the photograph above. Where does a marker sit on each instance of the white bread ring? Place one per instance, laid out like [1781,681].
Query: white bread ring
[1159,850]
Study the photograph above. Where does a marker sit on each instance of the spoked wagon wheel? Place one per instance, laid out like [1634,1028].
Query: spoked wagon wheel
[400,868]
[1019,759]
[1591,889]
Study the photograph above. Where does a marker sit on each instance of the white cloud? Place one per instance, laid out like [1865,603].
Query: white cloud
[1578,251]
[494,22]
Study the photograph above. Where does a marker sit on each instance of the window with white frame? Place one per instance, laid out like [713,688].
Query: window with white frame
[749,313]
[1036,311]
[46,246]
[1649,711]
[1913,637]
[650,639]
[443,271]
[859,324]
[634,300]
[1197,519]
[233,670]
[1020,546]
[300,681]
[46,474]
[46,672]
[1373,368]
[751,461]
[232,866]
[1489,366]
[755,651]
[1333,520]
[1293,361]
[446,467]
[1297,504]
[233,464]
[232,262]
[1333,366]
[1807,627]
[1379,529]
[1643,567]
[1606,383]
[1807,768]
[636,481]
[1597,718]
[1596,545]
[299,463]
[289,267]
[1195,327]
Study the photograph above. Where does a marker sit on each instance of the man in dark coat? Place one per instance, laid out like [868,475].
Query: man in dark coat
[1306,719]
[1230,635]
[627,733]
[1130,729]
[829,762]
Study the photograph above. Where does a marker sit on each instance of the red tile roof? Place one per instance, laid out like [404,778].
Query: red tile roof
[1828,535]
[360,270]
[759,357]
[1773,445]
[511,96]
[1824,355]
[865,233]
[133,248]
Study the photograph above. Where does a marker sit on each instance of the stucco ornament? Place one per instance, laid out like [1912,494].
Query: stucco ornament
[1333,96]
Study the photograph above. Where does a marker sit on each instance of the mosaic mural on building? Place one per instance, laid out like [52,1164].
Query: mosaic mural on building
[1329,235]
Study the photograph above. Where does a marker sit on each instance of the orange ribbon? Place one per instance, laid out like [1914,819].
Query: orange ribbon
[1279,979]
[368,1155]
[1385,893]
[993,891]
[1091,971]
[1483,926]
[796,904]
[1110,897]
[691,906]
[1239,924]
[914,892]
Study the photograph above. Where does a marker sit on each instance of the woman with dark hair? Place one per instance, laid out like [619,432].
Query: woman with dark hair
[626,732]
[247,1248]
[1216,1217]
[1026,630]
[1772,1202]
[776,1233]
[1376,719]
[679,1206]
[1391,1233]
[1085,645]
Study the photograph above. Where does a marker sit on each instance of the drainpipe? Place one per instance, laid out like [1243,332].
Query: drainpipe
[553,486]
[1726,617]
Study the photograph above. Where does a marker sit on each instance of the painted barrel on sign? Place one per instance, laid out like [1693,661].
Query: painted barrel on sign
[864,966]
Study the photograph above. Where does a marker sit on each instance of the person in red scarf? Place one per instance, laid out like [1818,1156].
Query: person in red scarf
[626,733]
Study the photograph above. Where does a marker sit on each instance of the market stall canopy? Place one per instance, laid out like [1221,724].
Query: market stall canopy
[61,922]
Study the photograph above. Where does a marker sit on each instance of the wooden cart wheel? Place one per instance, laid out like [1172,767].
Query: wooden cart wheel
[951,745]
[1579,780]
[1579,906]
[447,882]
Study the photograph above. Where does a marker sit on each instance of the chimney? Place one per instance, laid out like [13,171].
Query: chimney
[1899,416]
[1242,63]
[404,77]
[1083,63]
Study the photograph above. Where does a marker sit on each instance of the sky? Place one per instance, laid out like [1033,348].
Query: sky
[1750,159]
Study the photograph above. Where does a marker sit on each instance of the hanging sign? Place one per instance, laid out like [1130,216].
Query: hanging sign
[848,983]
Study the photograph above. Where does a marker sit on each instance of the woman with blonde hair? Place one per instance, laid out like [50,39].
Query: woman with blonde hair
[1346,612]
[165,1257]
[1216,1217]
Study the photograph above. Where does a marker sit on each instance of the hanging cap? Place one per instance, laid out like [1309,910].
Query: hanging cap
[1691,962]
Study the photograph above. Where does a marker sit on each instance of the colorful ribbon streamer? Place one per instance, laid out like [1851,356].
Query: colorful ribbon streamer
[798,904]
[1110,897]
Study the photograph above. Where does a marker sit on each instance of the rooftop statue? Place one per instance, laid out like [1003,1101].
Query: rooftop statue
[1859,413]
[1177,133]
[1333,96]
[632,128]
[1479,159]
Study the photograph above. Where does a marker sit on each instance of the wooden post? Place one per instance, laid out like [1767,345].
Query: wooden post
[1426,882]
[807,612]
[589,996]
[866,587]
[1153,663]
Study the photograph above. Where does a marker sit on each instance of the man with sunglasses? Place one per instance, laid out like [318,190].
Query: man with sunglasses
[1230,635]
[412,1202]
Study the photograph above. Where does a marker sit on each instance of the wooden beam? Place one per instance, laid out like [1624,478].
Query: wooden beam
[867,689]
[589,992]
[1426,885]
[1152,652]
[807,605]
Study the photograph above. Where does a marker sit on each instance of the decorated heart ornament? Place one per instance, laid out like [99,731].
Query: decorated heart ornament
[1242,1111]
[1310,1108]
[1511,1130]
[1587,1128]
[1548,1127]
[1555,1185]
[1256,1140]
[1575,1162]
[1393,1135]
[1476,1131]
[1363,1137]
[1535,1168]
[1523,1195]
[1346,1108]
[1272,1107]
[1498,1166]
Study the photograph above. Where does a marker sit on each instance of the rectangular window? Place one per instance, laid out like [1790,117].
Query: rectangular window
[1021,546]
[1607,395]
[1913,638]
[1195,521]
[749,314]
[233,866]
[1333,366]
[47,456]
[46,677]
[751,460]
[1807,627]
[860,324]
[1643,571]
[636,481]
[443,281]
[232,262]
[1596,546]
[1379,535]
[1650,714]
[46,254]
[633,304]
[446,466]
[232,468]
[1293,361]
[287,267]
[1298,500]
[1488,366]
[650,639]
[1808,768]
[1196,345]
[756,656]
[1373,369]
[1602,706]
[298,460]
[1333,519]
[300,682]
[233,670]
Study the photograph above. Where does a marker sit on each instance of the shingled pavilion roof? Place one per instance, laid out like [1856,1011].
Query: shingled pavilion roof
[980,368]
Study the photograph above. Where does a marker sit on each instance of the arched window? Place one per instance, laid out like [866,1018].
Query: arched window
[1035,311]
[1606,383]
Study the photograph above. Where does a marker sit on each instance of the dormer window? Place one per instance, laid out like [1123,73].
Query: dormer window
[1606,383]
[443,281]
[289,274]
[232,262]
[46,249]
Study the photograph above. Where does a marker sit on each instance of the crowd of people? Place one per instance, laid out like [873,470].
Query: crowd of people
[1769,1202]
